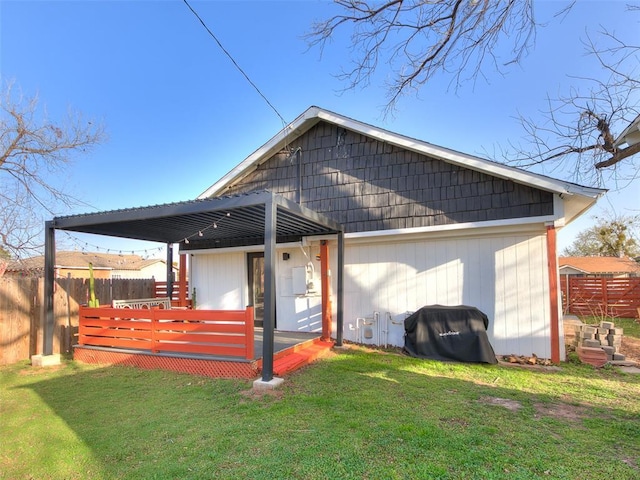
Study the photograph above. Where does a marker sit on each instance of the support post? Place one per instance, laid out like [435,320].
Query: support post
[270,222]
[49,280]
[552,267]
[340,306]
[182,283]
[170,270]
[326,293]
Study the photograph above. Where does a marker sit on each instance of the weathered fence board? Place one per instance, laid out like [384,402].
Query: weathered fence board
[21,310]
[598,296]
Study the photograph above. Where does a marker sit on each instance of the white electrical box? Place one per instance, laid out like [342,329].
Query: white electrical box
[299,279]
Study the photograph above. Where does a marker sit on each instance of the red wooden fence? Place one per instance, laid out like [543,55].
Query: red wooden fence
[597,296]
[161,289]
[212,332]
[179,293]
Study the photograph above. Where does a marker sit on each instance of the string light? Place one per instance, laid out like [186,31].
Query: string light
[200,233]
[86,248]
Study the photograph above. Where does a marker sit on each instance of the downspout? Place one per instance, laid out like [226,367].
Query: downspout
[552,267]
[49,279]
[298,153]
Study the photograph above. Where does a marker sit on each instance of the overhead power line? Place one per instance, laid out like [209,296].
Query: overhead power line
[284,122]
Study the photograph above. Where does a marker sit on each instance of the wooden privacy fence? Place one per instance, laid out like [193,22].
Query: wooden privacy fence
[21,311]
[211,332]
[598,296]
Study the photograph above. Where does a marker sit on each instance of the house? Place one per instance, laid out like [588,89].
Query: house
[610,267]
[341,227]
[630,136]
[423,225]
[105,266]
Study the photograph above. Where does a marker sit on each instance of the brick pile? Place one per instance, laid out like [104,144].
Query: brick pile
[598,344]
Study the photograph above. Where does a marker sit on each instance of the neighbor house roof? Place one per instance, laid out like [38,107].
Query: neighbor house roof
[577,198]
[81,260]
[600,265]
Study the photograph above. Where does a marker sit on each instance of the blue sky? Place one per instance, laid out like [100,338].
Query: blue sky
[179,115]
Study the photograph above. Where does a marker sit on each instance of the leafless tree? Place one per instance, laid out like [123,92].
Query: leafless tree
[581,132]
[33,150]
[577,133]
[417,40]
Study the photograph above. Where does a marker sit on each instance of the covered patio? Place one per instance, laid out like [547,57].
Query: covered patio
[259,218]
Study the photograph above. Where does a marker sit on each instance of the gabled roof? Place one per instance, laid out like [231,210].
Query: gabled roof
[595,265]
[81,260]
[580,197]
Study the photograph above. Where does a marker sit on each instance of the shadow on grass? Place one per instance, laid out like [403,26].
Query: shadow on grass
[358,414]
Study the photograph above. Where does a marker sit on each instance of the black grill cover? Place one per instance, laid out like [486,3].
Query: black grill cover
[448,333]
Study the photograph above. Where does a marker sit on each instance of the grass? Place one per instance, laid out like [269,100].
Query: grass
[358,414]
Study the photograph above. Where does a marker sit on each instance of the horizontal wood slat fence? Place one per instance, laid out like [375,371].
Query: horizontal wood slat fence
[211,332]
[21,311]
[161,290]
[597,296]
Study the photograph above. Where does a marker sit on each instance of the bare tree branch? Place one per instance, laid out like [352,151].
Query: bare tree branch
[417,40]
[421,39]
[579,132]
[33,150]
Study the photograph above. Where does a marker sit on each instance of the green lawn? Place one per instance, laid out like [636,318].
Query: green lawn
[359,414]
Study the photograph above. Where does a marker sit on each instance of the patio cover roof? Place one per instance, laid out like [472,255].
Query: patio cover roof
[204,223]
[249,219]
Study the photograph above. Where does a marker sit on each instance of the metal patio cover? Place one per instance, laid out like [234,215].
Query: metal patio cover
[208,221]
[254,218]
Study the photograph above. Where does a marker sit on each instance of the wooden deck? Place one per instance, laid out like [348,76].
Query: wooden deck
[218,344]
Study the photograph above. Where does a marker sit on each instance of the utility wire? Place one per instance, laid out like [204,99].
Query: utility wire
[284,122]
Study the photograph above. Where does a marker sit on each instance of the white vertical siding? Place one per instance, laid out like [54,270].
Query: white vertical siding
[298,313]
[220,281]
[504,276]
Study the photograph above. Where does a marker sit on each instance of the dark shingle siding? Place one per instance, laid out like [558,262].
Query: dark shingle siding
[368,185]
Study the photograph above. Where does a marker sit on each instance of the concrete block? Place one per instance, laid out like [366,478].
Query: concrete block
[593,356]
[616,331]
[45,360]
[586,336]
[615,340]
[607,324]
[609,350]
[272,384]
[618,356]
[589,329]
[592,343]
